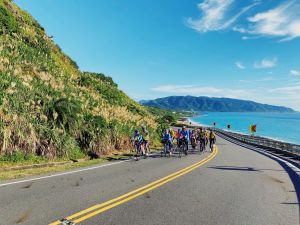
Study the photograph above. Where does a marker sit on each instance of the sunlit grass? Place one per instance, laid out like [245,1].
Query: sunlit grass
[49,109]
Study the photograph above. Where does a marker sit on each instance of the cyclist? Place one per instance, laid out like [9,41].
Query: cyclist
[193,139]
[138,143]
[184,134]
[206,137]
[190,133]
[146,137]
[212,140]
[167,139]
[177,136]
[202,139]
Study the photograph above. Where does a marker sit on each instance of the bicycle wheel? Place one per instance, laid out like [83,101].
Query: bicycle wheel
[138,152]
[148,150]
[180,150]
[202,147]
[166,150]
[185,148]
[211,147]
[145,156]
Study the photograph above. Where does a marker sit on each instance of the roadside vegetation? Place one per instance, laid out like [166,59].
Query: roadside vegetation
[50,110]
[20,173]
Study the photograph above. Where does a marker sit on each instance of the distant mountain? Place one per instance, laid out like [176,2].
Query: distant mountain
[191,103]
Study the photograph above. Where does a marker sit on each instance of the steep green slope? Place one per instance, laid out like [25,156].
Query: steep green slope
[191,103]
[50,108]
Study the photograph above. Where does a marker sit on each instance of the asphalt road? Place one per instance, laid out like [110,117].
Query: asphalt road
[237,186]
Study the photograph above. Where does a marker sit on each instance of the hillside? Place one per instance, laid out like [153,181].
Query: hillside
[48,107]
[190,103]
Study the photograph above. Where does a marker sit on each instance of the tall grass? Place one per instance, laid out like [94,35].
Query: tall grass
[50,109]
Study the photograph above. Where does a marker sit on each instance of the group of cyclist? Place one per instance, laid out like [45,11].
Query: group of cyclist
[184,137]
[181,137]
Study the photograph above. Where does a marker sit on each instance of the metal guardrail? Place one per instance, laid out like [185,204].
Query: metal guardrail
[263,142]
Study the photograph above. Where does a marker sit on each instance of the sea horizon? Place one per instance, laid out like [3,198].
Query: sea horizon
[269,124]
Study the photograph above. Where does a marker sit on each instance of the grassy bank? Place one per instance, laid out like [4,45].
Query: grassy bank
[14,174]
[49,109]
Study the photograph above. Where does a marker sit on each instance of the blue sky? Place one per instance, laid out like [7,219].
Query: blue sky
[246,49]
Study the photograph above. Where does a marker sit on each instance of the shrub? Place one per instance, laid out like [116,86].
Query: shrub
[8,23]
[64,113]
[169,119]
[95,128]
[17,156]
[85,80]
[135,109]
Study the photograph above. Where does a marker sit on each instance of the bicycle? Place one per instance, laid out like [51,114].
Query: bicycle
[166,150]
[146,149]
[193,143]
[202,145]
[212,144]
[138,150]
[183,148]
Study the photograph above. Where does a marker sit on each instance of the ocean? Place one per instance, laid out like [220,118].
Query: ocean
[280,126]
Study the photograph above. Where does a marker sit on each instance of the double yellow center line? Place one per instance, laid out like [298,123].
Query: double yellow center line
[99,208]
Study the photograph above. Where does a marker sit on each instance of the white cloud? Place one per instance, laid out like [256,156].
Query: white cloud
[282,21]
[266,63]
[295,73]
[214,15]
[288,95]
[287,90]
[264,79]
[200,90]
[240,65]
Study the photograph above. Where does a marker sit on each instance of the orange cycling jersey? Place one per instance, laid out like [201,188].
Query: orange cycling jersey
[177,135]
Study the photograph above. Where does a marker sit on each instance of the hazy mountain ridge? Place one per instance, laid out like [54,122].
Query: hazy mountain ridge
[191,103]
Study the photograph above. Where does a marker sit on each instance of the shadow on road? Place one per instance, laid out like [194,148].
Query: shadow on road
[251,169]
[295,178]
[248,169]
[290,203]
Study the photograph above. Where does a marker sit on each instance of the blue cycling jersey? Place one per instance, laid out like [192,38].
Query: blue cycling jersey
[167,137]
[138,137]
[185,134]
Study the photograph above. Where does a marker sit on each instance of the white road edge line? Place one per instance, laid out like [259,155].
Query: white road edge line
[61,174]
[67,173]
